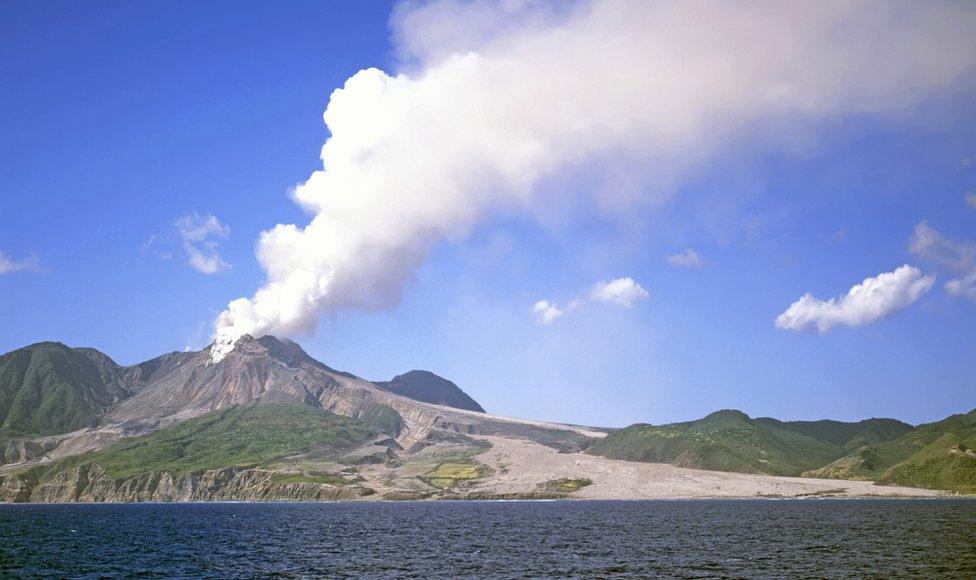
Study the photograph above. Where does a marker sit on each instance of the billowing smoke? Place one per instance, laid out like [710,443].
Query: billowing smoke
[494,98]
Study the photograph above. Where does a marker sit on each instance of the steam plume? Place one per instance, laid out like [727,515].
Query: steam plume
[494,98]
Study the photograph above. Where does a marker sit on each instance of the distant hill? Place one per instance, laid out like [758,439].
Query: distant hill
[48,388]
[936,455]
[427,387]
[732,441]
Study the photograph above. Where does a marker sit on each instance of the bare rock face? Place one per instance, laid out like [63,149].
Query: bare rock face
[21,450]
[264,370]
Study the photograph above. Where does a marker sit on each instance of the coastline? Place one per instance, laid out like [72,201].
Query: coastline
[944,496]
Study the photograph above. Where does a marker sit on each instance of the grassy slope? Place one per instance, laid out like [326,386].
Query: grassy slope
[239,436]
[935,455]
[235,437]
[48,388]
[847,435]
[731,441]
[383,418]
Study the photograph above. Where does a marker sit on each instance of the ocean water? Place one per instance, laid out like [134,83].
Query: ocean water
[687,539]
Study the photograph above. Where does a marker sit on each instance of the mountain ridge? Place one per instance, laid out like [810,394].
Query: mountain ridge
[82,422]
[428,387]
[730,440]
[48,388]
[937,454]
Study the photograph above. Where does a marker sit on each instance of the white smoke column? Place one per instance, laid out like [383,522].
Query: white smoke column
[499,96]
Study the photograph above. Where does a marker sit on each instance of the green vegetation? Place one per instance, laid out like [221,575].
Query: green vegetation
[847,435]
[235,437]
[327,479]
[824,492]
[448,475]
[566,484]
[459,450]
[46,470]
[935,455]
[383,418]
[732,441]
[48,388]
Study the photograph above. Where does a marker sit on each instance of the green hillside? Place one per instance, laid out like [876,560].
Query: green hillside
[732,441]
[235,437]
[847,435]
[935,455]
[48,388]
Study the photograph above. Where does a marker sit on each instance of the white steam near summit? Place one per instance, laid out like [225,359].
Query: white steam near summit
[494,98]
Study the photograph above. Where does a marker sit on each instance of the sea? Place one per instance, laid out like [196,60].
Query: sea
[812,538]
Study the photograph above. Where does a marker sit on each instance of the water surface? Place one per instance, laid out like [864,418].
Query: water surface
[824,538]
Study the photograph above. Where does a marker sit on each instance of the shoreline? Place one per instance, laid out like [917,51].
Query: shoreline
[936,495]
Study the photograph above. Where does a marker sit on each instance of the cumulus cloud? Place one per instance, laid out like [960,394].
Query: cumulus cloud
[689,258]
[545,311]
[867,302]
[622,292]
[492,99]
[198,236]
[9,265]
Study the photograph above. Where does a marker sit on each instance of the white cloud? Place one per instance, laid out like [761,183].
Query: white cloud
[495,98]
[928,244]
[197,235]
[622,292]
[152,246]
[953,255]
[689,258]
[964,287]
[9,265]
[545,311]
[971,199]
[867,302]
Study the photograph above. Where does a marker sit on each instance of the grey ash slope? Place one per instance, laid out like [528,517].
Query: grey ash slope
[140,399]
[262,371]
[427,387]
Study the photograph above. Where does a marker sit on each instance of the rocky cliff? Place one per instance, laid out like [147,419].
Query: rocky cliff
[89,483]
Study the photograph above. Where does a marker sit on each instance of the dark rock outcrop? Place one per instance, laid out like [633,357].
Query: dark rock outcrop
[427,387]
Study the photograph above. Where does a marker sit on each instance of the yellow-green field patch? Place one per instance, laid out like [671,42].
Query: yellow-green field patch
[567,484]
[447,475]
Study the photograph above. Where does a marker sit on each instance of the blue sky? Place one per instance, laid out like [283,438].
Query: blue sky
[119,119]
